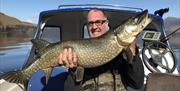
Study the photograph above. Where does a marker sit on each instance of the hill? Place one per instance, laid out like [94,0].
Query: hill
[13,30]
[8,22]
[171,24]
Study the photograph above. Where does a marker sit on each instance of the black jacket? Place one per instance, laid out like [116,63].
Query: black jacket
[132,72]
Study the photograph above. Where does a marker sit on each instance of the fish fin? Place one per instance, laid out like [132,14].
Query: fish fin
[39,45]
[16,77]
[47,72]
[79,74]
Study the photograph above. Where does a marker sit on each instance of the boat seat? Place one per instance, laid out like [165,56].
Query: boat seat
[163,82]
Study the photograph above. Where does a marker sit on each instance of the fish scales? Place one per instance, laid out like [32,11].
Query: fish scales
[97,52]
[91,53]
[87,50]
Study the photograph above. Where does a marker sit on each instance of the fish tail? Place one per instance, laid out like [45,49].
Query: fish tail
[17,77]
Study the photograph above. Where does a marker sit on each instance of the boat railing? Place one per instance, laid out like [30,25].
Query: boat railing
[100,5]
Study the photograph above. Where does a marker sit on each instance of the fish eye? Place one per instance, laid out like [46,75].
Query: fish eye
[134,21]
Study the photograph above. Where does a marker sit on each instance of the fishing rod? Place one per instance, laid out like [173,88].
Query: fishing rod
[168,36]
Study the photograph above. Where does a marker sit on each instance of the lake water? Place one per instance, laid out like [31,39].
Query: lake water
[13,57]
[177,52]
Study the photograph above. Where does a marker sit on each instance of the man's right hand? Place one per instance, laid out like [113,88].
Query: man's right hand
[68,58]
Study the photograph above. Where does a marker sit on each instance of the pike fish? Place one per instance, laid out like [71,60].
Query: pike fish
[91,52]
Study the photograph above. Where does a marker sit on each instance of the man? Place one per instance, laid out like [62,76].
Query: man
[124,70]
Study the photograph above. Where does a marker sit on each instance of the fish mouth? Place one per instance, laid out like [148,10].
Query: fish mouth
[142,17]
[139,22]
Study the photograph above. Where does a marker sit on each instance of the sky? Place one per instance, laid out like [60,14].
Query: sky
[28,10]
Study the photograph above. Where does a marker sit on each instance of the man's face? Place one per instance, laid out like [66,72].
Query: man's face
[97,23]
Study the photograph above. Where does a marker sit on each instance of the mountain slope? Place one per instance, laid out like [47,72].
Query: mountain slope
[171,24]
[11,22]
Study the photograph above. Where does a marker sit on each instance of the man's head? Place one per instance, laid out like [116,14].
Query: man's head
[97,23]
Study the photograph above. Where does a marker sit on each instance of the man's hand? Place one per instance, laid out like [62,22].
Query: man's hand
[68,58]
[130,52]
[133,48]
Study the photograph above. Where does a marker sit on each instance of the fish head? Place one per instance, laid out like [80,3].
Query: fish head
[129,30]
[136,24]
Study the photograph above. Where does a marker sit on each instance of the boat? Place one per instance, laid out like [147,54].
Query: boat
[68,22]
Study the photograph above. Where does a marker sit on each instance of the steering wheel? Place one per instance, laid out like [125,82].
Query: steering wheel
[158,57]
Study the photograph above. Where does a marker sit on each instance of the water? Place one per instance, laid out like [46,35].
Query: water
[14,56]
[177,53]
